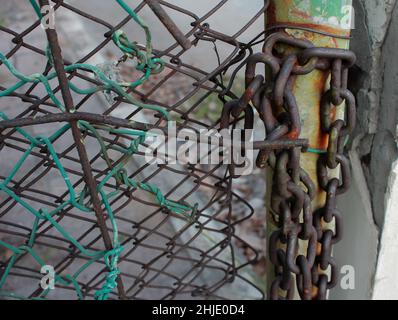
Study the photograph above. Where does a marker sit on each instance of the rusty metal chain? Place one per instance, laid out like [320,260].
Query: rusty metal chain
[293,190]
[338,131]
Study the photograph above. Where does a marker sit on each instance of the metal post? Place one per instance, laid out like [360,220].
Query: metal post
[332,20]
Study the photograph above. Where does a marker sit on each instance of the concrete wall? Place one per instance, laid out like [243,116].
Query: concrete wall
[370,207]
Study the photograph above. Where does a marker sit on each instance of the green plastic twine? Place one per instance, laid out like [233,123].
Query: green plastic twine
[148,65]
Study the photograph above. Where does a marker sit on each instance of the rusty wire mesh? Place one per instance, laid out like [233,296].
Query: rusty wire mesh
[164,256]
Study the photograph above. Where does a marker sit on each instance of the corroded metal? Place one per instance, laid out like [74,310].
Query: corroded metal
[333,17]
[325,25]
[169,24]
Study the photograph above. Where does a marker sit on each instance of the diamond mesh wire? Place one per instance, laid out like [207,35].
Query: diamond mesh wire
[165,256]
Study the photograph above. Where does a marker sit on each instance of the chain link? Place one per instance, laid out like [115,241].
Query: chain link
[293,190]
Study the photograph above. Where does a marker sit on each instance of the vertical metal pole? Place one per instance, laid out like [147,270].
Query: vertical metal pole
[333,20]
[88,176]
[169,24]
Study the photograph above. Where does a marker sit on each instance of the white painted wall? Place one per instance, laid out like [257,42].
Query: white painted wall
[370,241]
[386,279]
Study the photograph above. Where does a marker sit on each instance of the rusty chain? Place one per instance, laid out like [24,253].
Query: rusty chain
[293,190]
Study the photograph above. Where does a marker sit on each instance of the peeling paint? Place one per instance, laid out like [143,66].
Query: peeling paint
[333,17]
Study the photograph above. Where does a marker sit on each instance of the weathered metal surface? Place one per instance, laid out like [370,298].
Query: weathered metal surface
[324,24]
[169,24]
[328,16]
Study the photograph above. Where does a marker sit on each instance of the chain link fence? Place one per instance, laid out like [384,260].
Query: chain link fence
[177,227]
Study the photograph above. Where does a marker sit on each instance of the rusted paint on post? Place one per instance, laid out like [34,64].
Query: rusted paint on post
[332,20]
[328,16]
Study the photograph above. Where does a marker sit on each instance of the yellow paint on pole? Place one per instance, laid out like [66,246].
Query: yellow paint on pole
[331,17]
